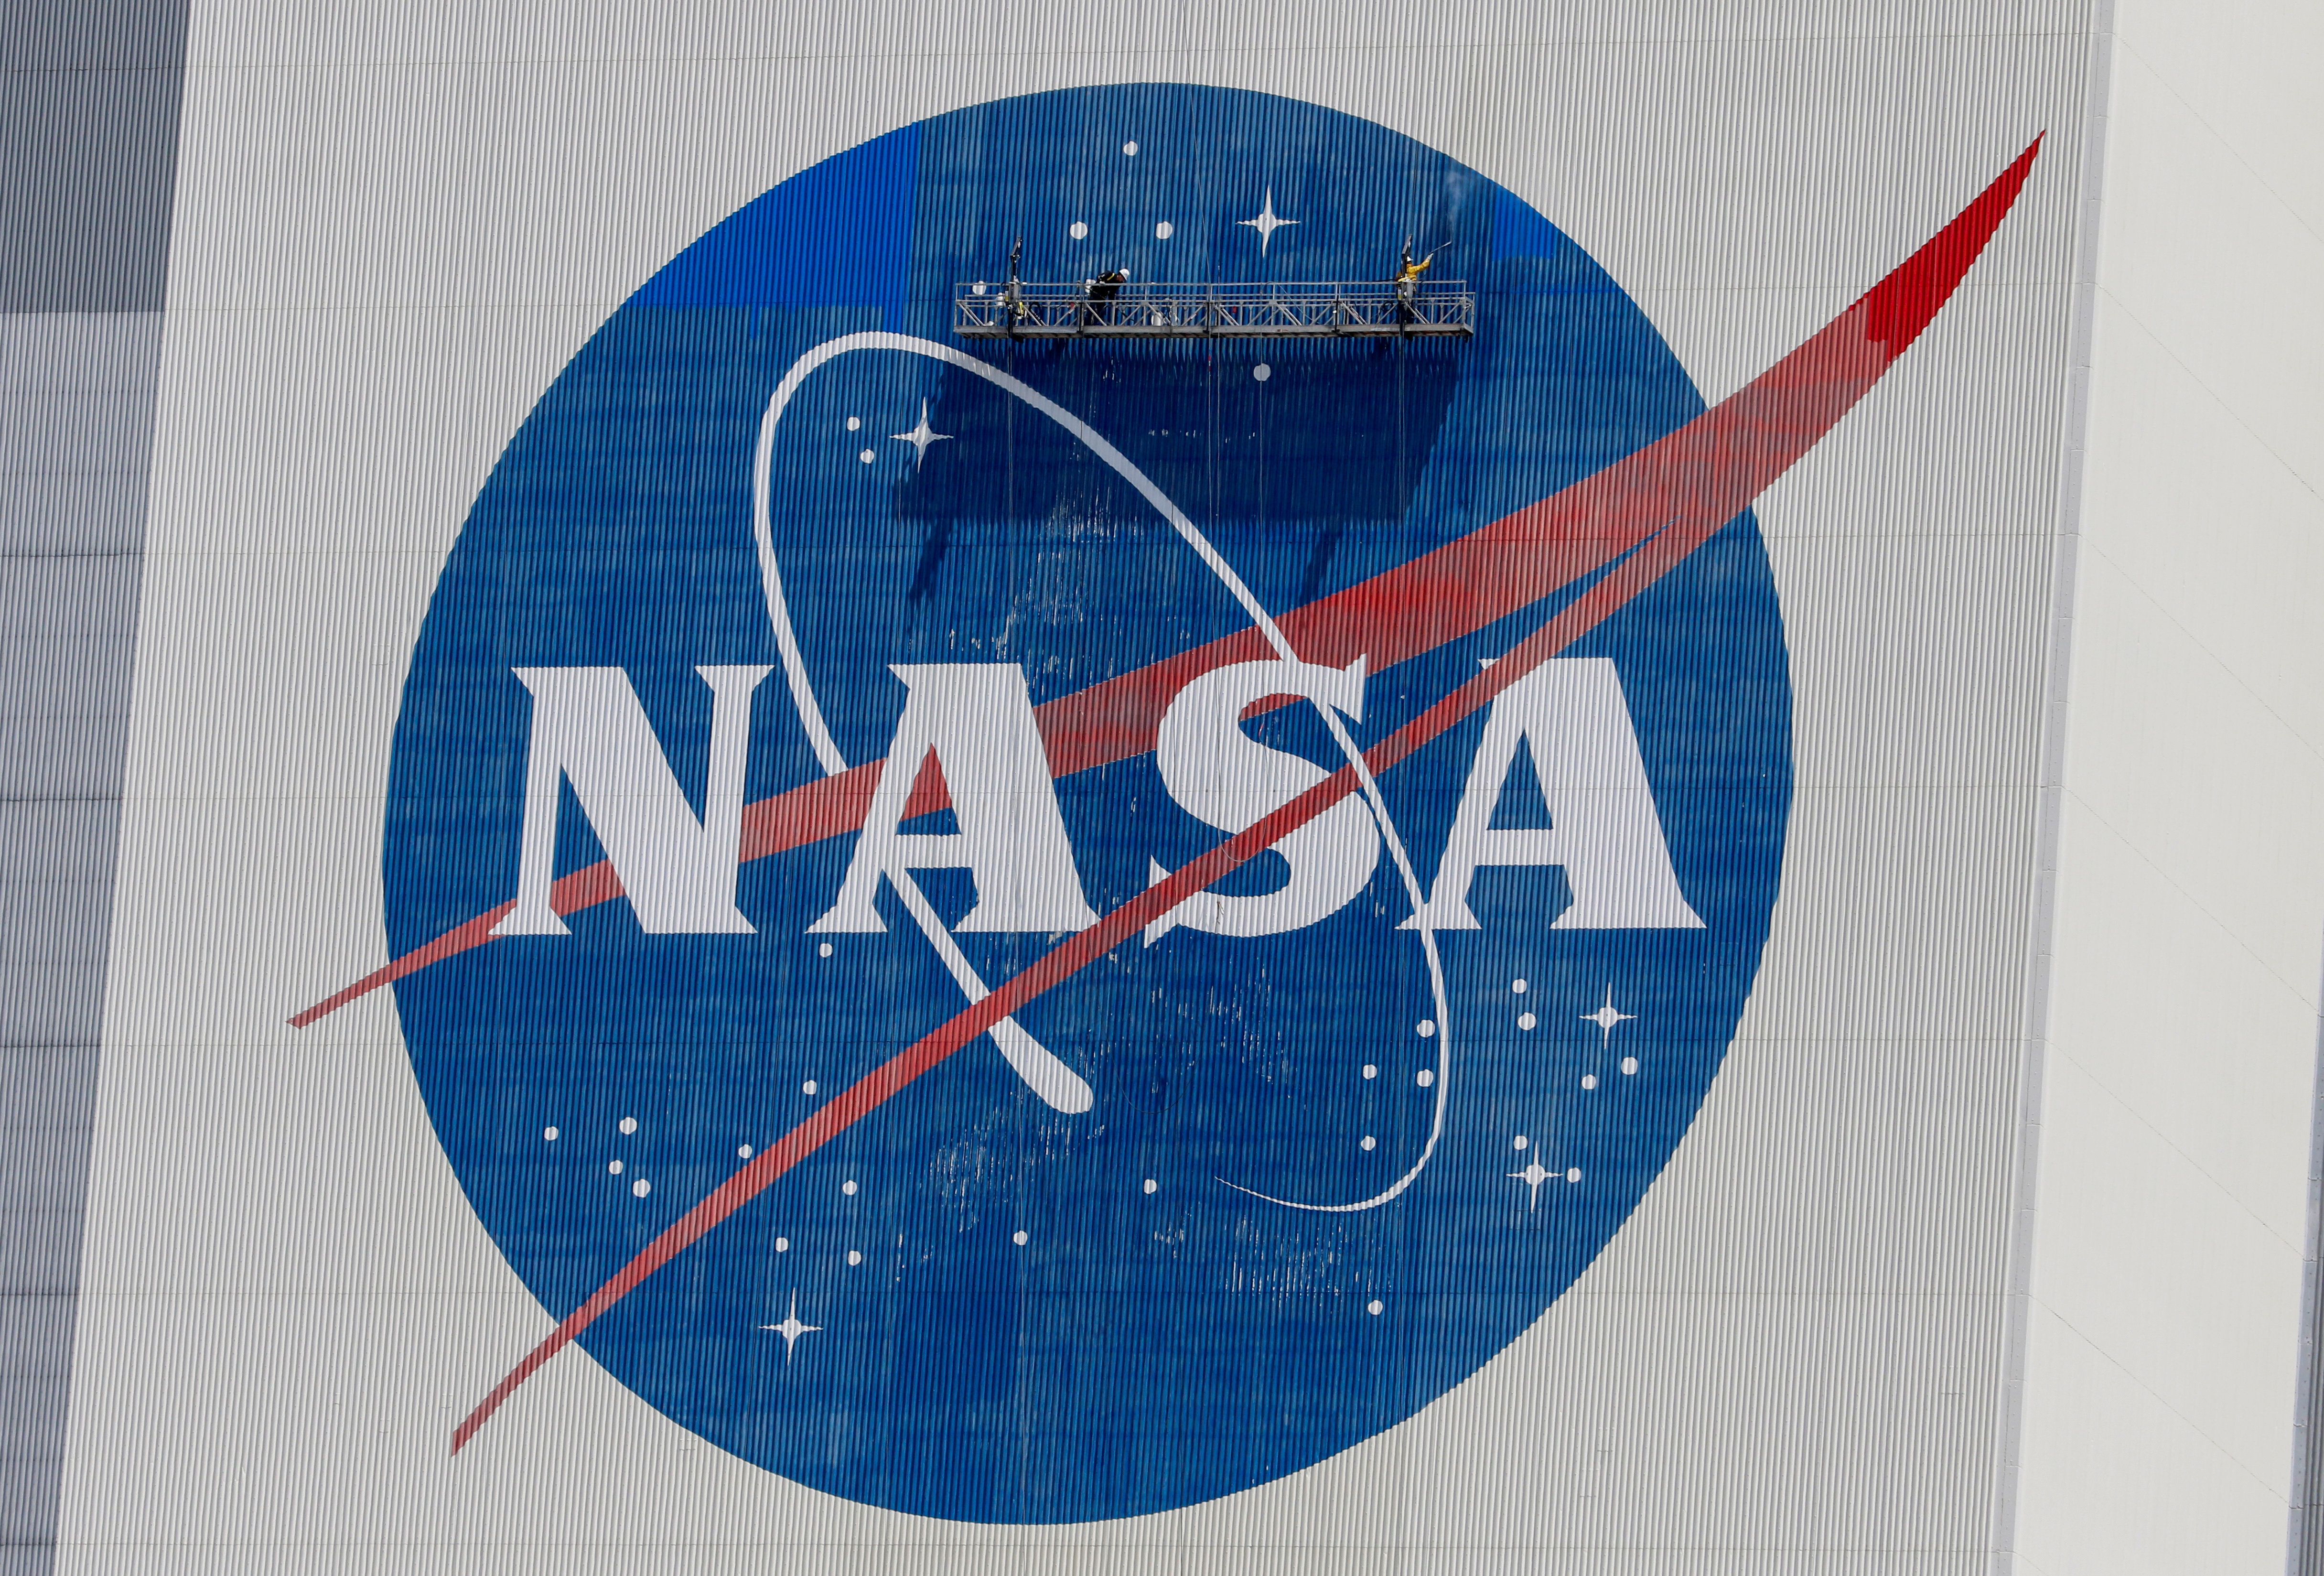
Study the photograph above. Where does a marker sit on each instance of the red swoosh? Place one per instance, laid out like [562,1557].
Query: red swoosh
[1671,497]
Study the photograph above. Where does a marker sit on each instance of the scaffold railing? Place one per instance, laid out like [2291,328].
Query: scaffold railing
[1374,308]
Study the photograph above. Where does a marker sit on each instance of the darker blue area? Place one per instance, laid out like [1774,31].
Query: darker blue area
[1140,1350]
[838,233]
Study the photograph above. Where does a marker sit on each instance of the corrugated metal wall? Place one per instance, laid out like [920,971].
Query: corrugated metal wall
[396,226]
[2174,1215]
[88,127]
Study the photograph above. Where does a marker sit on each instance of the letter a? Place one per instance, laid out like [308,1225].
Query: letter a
[977,718]
[1604,830]
[588,729]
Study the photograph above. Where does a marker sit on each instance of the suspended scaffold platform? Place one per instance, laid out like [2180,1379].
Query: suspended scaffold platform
[1366,309]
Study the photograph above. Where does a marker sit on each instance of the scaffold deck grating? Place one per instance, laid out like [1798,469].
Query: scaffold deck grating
[1336,309]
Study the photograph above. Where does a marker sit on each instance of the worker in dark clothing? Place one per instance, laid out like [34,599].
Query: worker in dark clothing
[1101,291]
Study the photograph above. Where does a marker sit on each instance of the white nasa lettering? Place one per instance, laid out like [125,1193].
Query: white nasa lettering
[977,718]
[589,728]
[1228,779]
[1604,831]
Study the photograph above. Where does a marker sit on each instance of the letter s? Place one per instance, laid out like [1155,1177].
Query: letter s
[1225,777]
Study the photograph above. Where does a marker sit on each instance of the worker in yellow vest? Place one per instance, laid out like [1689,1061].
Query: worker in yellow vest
[1406,281]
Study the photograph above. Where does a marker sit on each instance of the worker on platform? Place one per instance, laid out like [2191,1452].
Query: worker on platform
[1101,291]
[1013,292]
[1406,281]
[1409,272]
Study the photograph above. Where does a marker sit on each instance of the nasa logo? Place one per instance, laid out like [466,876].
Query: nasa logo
[1052,930]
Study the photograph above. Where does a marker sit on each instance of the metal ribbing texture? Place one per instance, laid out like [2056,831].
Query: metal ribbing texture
[88,114]
[2306,1553]
[1788,1362]
[2041,898]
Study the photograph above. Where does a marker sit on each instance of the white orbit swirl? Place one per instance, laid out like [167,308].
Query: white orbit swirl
[1022,1051]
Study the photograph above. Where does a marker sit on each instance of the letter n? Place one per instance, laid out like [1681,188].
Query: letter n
[589,728]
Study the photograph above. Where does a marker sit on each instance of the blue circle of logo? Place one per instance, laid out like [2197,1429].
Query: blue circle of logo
[806,670]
